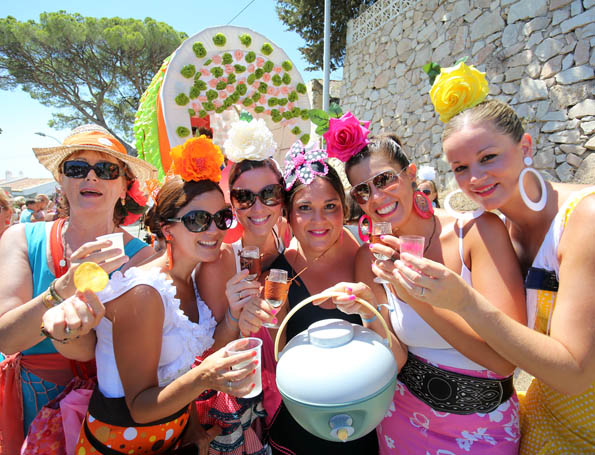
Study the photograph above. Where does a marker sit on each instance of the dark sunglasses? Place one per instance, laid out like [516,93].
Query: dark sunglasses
[362,191]
[200,220]
[80,169]
[270,195]
[427,192]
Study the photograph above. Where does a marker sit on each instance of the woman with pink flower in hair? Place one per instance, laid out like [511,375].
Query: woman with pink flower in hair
[455,393]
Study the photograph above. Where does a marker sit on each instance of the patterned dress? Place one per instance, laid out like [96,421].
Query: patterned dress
[551,422]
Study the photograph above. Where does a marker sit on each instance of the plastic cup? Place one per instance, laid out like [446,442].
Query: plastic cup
[412,244]
[248,344]
[117,239]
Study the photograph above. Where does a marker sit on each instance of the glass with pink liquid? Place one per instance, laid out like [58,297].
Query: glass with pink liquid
[412,244]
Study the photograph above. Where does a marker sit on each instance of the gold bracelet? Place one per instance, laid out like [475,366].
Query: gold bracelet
[54,294]
[48,300]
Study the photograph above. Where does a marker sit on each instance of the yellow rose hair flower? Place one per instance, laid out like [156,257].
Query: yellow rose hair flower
[458,88]
[197,159]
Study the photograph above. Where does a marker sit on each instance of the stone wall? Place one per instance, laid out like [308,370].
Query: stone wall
[538,56]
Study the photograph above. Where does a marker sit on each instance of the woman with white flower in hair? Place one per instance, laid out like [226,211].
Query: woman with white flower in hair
[257,198]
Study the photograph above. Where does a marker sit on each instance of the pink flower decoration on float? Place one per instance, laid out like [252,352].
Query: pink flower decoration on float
[213,83]
[239,55]
[205,72]
[242,80]
[138,196]
[251,68]
[216,59]
[228,69]
[290,106]
[222,94]
[259,61]
[346,136]
[268,111]
[263,100]
[266,77]
[202,99]
[229,88]
[278,69]
[217,103]
[276,91]
[270,91]
[256,85]
[285,90]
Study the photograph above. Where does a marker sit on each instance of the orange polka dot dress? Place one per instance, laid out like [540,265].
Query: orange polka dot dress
[551,422]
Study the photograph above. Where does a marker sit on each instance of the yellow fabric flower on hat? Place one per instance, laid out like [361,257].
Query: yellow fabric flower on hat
[458,88]
[197,159]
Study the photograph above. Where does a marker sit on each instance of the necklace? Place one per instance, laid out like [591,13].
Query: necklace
[431,235]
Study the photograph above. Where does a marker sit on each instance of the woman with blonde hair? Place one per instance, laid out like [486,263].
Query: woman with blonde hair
[6,212]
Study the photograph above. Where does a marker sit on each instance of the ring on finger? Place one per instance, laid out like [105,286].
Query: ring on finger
[423,290]
[229,384]
[67,330]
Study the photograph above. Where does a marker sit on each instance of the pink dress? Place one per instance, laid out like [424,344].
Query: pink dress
[412,427]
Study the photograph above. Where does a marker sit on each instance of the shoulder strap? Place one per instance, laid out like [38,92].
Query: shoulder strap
[57,248]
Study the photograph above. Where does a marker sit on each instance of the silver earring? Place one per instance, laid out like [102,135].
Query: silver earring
[540,204]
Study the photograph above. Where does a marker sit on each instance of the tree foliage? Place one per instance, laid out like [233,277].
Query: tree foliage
[306,17]
[94,70]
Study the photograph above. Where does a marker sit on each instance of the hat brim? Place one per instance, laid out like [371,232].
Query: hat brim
[52,157]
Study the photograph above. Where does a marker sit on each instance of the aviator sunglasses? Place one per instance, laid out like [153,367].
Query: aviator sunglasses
[200,220]
[270,195]
[362,191]
[104,170]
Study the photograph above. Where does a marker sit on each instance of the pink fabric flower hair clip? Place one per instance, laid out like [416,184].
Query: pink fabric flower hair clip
[298,164]
[346,136]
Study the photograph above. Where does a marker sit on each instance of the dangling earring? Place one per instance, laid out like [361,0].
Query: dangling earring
[460,215]
[422,205]
[123,201]
[540,204]
[364,231]
[170,253]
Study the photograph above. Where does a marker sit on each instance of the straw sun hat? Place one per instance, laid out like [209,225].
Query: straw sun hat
[92,137]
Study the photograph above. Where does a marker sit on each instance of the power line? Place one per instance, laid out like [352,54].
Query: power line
[243,9]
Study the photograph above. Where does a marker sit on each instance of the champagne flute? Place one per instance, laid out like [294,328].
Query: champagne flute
[379,229]
[276,289]
[250,260]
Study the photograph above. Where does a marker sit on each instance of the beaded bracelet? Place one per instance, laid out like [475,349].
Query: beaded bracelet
[367,321]
[236,320]
[47,334]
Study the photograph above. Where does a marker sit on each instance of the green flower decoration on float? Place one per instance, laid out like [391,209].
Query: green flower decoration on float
[208,62]
[202,113]
[227,58]
[220,109]
[227,102]
[293,97]
[296,130]
[208,106]
[217,71]
[231,79]
[200,85]
[247,102]
[268,66]
[276,79]
[182,99]
[304,115]
[266,49]
[211,95]
[191,112]
[199,50]
[286,79]
[245,39]
[182,131]
[221,85]
[282,101]
[287,115]
[250,57]
[239,68]
[305,139]
[259,109]
[251,79]
[286,65]
[219,40]
[301,88]
[259,73]
[262,88]
[188,71]
[256,96]
[296,111]
[277,119]
[235,97]
[272,102]
[275,113]
[197,76]
[194,92]
[241,89]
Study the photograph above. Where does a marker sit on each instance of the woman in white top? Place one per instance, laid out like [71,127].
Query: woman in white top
[454,393]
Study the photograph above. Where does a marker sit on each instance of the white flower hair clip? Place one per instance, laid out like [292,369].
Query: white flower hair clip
[426,173]
[249,141]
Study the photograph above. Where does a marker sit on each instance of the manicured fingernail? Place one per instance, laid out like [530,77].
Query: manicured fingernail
[381,237]
[253,371]
[349,290]
[255,363]
[253,354]
[252,386]
[371,245]
[351,297]
[275,311]
[274,320]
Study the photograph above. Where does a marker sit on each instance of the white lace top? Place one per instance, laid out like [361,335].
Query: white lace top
[182,339]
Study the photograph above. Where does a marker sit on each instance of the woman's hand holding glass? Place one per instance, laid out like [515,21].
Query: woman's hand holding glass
[216,372]
[255,313]
[240,292]
[347,302]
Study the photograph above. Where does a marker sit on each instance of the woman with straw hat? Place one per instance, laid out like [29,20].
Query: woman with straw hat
[100,183]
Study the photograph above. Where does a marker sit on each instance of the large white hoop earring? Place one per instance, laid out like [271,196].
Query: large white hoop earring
[535,206]
[460,215]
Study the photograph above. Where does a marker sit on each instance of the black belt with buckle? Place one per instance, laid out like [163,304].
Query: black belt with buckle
[541,279]
[457,393]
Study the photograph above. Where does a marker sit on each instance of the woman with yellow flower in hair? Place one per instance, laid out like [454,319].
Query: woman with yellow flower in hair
[552,230]
[156,323]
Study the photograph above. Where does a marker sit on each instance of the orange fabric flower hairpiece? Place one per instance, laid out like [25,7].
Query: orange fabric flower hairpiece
[197,159]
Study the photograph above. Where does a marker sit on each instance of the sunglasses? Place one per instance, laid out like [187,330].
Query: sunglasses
[427,192]
[362,191]
[270,195]
[80,169]
[200,220]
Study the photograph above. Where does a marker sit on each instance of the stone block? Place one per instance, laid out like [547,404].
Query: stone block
[442,52]
[588,3]
[552,127]
[567,62]
[542,108]
[472,15]
[544,159]
[564,172]
[523,58]
[555,4]
[588,127]
[575,74]
[535,39]
[495,89]
[460,40]
[590,145]
[560,158]
[551,67]
[483,54]
[532,89]
[585,32]
[514,74]
[565,137]
[510,34]
[572,148]
[526,9]
[509,89]
[489,22]
[576,7]
[537,24]
[581,53]
[564,96]
[586,172]
[560,16]
[556,116]
[534,69]
[588,17]
[573,160]
[548,48]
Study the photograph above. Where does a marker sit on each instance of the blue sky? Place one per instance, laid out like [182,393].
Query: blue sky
[21,116]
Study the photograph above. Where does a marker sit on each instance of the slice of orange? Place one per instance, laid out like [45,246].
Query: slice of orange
[90,276]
